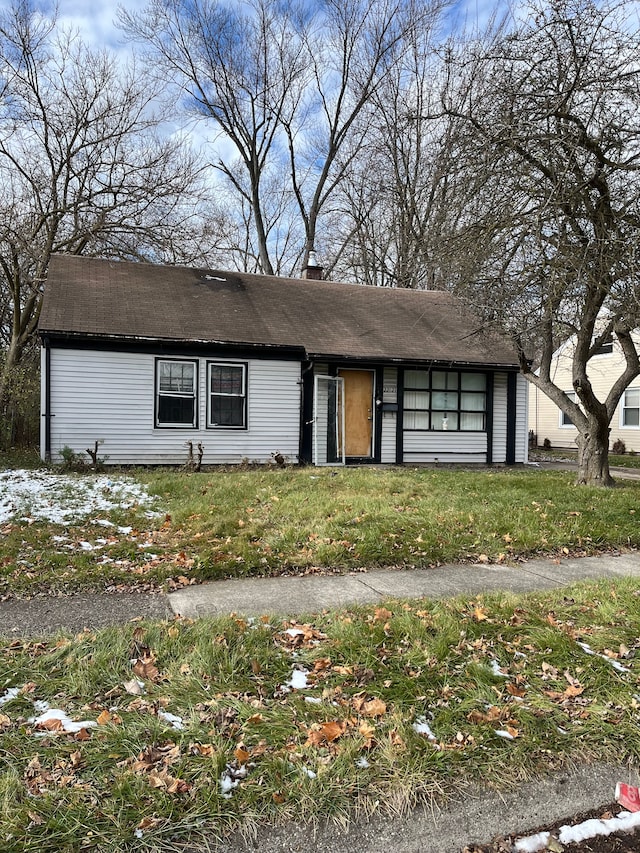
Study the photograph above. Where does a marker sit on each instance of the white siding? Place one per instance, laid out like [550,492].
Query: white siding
[109,396]
[389,419]
[43,402]
[522,419]
[445,447]
[499,443]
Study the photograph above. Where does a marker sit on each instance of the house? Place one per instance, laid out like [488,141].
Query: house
[547,421]
[146,359]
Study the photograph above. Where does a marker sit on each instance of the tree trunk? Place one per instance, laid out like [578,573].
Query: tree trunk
[593,455]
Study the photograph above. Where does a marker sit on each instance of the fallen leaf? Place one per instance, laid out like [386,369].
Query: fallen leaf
[374,708]
[146,668]
[367,731]
[479,613]
[241,754]
[321,733]
[381,614]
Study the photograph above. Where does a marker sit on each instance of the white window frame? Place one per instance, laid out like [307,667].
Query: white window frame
[624,407]
[193,395]
[243,395]
[561,415]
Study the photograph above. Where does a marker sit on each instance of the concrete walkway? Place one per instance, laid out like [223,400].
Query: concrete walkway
[290,596]
[294,596]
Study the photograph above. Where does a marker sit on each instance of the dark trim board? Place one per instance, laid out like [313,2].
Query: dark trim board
[176,349]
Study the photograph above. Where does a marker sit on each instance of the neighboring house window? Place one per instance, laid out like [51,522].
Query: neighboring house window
[227,395]
[444,400]
[606,348]
[565,420]
[176,393]
[631,408]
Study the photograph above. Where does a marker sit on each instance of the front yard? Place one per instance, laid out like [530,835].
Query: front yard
[225,523]
[150,735]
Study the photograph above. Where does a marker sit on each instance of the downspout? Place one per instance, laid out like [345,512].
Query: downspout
[47,399]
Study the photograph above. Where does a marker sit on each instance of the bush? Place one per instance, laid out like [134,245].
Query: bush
[619,447]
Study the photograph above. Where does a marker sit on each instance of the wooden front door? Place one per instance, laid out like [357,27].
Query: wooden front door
[358,412]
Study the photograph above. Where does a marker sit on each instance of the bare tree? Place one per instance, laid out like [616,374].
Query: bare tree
[285,87]
[241,67]
[82,169]
[396,198]
[547,245]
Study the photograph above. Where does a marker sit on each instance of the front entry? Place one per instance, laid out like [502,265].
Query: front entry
[358,412]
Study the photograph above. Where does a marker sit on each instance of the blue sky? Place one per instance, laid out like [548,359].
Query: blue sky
[95,18]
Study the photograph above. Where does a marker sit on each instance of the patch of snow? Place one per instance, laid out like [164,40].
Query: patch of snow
[496,669]
[298,680]
[176,722]
[313,700]
[230,779]
[42,495]
[310,773]
[362,762]
[624,822]
[422,727]
[9,694]
[505,734]
[68,725]
[532,843]
[614,663]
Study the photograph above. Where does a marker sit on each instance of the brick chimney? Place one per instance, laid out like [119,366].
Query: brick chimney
[312,270]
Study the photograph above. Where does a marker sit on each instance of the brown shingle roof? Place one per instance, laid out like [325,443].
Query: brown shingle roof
[92,297]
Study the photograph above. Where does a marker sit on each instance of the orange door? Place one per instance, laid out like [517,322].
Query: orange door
[358,412]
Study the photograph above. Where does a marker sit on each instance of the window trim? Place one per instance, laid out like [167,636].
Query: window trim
[458,391]
[571,394]
[156,395]
[244,396]
[623,407]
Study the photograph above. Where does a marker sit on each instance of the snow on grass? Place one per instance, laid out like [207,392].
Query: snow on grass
[61,498]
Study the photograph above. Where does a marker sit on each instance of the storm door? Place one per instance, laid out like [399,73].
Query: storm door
[328,421]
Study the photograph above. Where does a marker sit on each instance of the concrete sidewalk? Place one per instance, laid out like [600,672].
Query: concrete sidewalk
[290,596]
[294,596]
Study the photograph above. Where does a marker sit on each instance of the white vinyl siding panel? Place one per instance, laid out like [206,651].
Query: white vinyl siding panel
[389,419]
[439,446]
[110,397]
[522,419]
[499,443]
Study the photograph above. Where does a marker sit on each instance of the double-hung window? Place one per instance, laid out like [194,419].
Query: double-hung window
[176,393]
[631,408]
[227,387]
[445,400]
[565,420]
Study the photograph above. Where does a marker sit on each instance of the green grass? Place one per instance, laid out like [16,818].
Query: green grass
[616,460]
[469,667]
[227,523]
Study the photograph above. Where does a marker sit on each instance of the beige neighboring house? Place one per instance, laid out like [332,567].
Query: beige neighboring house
[547,421]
